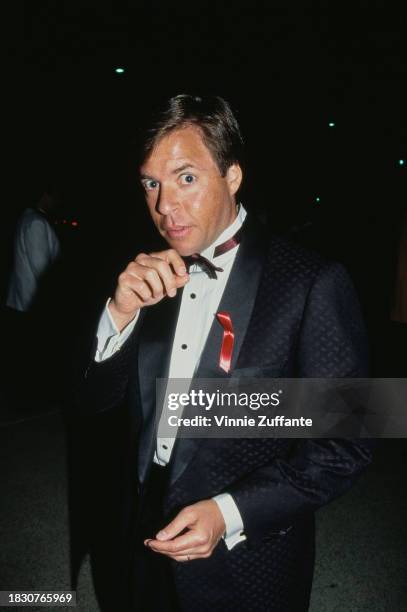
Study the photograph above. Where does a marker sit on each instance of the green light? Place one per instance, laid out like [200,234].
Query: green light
[119,70]
[402,162]
[317,199]
[331,124]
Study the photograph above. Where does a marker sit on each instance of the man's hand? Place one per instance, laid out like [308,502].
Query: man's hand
[201,526]
[144,282]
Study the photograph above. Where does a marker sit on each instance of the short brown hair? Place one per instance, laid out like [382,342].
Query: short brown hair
[211,114]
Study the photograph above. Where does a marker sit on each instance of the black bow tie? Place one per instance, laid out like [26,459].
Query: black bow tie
[206,265]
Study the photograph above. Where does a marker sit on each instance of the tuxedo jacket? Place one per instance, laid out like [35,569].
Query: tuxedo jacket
[294,315]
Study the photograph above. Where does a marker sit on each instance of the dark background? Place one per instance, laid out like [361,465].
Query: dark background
[289,69]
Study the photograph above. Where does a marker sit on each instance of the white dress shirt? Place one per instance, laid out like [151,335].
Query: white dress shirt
[199,304]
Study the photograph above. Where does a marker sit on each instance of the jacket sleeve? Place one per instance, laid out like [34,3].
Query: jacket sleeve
[101,386]
[331,343]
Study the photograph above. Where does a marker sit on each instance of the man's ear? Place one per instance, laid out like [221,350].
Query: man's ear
[234,177]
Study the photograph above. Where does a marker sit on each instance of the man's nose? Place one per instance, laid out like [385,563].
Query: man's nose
[167,200]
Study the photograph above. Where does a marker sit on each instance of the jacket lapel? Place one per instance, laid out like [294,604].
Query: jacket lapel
[238,300]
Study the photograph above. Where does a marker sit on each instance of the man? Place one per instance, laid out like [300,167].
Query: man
[217,524]
[36,248]
[36,251]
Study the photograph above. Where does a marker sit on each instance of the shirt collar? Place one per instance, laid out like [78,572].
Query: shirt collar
[229,232]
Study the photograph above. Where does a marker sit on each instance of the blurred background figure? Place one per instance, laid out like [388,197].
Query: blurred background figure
[36,248]
[30,299]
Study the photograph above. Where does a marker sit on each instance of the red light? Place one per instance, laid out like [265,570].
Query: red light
[74,223]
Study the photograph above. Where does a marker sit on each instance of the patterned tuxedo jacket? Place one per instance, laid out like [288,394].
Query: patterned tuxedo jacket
[295,315]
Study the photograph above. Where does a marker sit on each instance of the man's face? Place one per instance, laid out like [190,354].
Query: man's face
[188,199]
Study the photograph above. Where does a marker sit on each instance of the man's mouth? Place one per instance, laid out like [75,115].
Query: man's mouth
[177,231]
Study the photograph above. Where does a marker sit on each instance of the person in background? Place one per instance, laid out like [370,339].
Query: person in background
[28,325]
[36,248]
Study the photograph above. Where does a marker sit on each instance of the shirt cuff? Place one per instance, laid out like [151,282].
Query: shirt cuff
[233,520]
[109,339]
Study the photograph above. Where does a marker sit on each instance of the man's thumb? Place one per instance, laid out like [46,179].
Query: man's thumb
[174,528]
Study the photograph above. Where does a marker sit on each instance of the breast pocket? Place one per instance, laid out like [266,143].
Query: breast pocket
[269,371]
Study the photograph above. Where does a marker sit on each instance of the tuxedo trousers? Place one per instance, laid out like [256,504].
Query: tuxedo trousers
[153,588]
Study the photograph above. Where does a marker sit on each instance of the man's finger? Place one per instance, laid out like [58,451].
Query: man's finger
[183,520]
[190,557]
[164,271]
[200,551]
[174,259]
[153,279]
[190,541]
[183,558]
[137,286]
[169,280]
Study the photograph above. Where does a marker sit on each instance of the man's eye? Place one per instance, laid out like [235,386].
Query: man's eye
[150,184]
[187,179]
